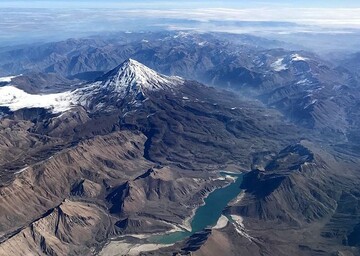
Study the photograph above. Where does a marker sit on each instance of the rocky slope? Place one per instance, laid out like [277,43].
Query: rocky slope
[135,152]
[132,149]
[302,193]
[300,201]
[303,86]
[64,230]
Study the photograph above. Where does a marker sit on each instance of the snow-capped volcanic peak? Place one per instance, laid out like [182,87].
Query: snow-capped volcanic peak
[129,79]
[134,75]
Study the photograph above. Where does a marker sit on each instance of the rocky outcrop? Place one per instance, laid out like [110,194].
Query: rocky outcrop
[293,188]
[161,191]
[48,183]
[68,229]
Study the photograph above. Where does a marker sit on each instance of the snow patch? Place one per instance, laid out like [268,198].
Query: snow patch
[311,103]
[16,99]
[297,57]
[278,65]
[181,34]
[304,81]
[7,79]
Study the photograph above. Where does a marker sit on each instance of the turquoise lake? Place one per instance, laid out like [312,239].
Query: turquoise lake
[206,215]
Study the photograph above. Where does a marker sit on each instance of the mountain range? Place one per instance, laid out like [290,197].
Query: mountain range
[94,160]
[303,86]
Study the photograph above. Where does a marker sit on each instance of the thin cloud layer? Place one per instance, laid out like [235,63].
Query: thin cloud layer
[52,24]
[349,17]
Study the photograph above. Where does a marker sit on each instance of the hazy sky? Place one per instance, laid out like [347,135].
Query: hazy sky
[24,21]
[184,4]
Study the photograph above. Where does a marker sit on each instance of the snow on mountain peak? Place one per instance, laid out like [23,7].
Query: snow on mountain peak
[132,74]
[130,78]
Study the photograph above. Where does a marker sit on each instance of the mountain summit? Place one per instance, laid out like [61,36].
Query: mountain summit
[132,75]
[131,78]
